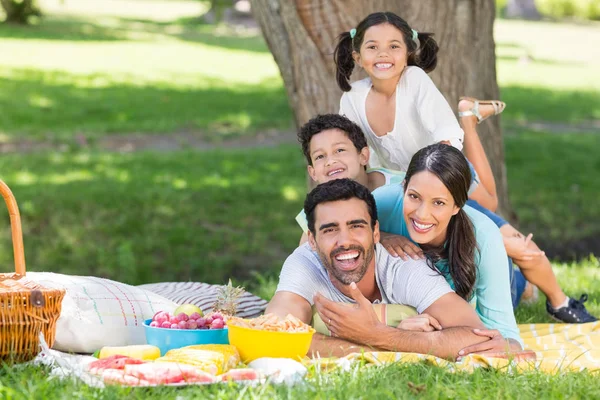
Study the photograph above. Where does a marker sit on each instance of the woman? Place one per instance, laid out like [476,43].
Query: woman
[461,243]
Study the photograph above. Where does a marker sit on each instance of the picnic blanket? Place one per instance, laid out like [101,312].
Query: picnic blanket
[559,348]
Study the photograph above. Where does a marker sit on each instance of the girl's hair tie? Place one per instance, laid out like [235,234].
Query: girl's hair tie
[415,35]
[352,33]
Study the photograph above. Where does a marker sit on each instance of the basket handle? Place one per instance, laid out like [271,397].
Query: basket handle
[15,226]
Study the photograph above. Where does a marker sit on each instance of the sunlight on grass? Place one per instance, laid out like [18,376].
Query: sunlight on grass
[156,10]
[290,193]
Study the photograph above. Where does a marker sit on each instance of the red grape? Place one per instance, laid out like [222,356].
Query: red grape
[192,324]
[182,317]
[154,324]
[183,325]
[195,316]
[165,324]
[174,326]
[217,324]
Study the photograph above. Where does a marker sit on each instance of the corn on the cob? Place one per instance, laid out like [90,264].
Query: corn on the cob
[208,361]
[230,353]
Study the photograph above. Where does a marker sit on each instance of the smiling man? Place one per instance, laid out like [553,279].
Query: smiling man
[343,263]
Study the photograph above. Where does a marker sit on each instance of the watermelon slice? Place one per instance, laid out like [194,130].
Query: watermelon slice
[240,374]
[112,362]
[164,373]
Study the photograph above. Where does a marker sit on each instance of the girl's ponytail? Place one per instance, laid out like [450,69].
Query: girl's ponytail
[461,248]
[425,56]
[343,61]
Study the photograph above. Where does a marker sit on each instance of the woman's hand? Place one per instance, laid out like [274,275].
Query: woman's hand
[420,323]
[496,345]
[517,248]
[400,246]
[354,322]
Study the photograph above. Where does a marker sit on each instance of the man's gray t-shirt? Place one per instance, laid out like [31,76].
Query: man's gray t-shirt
[410,282]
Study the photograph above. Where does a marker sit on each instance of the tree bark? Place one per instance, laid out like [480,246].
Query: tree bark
[302,34]
[19,12]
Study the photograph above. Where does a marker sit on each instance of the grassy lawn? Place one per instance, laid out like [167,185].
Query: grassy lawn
[390,382]
[200,215]
[136,66]
[112,70]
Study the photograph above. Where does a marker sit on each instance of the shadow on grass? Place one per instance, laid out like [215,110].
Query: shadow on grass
[148,217]
[540,104]
[553,184]
[114,28]
[41,105]
[544,61]
[63,28]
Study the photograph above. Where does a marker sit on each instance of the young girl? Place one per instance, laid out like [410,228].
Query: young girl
[401,111]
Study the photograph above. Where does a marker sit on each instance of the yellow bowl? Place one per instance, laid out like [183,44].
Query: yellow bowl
[256,343]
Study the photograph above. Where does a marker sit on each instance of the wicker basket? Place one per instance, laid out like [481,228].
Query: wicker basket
[26,308]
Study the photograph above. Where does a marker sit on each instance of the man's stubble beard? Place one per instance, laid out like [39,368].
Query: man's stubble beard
[346,278]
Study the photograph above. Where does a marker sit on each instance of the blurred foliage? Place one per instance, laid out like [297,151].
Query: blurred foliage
[19,11]
[561,9]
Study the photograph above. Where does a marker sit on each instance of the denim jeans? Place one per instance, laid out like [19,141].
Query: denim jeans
[517,283]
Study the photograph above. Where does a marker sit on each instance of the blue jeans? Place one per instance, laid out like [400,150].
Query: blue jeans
[517,283]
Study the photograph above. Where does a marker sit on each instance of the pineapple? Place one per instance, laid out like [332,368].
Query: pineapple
[227,298]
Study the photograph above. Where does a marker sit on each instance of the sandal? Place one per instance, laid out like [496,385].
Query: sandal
[498,105]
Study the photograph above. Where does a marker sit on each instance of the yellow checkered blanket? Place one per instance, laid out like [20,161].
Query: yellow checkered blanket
[559,347]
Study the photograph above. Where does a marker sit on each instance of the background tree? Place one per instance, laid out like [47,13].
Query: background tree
[525,9]
[19,11]
[302,34]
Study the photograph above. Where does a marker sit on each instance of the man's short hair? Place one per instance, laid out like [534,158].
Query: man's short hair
[335,190]
[325,122]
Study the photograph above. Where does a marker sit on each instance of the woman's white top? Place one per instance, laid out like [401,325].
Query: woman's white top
[423,117]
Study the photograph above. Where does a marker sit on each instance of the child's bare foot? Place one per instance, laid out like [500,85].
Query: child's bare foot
[530,294]
[478,111]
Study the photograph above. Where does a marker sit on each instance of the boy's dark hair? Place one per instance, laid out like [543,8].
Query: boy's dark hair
[422,54]
[325,122]
[338,189]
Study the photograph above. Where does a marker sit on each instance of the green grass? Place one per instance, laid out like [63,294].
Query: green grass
[110,75]
[554,186]
[147,217]
[546,72]
[102,73]
[206,215]
[390,382]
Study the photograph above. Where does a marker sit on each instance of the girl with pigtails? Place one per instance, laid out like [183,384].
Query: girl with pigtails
[401,111]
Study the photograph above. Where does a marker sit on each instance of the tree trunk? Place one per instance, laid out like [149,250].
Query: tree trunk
[525,9]
[19,12]
[302,34]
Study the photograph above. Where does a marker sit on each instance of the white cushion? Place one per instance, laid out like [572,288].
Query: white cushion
[98,312]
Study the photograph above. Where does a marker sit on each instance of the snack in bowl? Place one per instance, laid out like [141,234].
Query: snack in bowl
[270,336]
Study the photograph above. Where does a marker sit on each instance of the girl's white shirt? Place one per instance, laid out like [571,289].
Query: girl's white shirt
[423,117]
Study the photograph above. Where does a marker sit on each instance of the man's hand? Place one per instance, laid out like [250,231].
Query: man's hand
[517,247]
[353,322]
[400,246]
[496,345]
[420,323]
